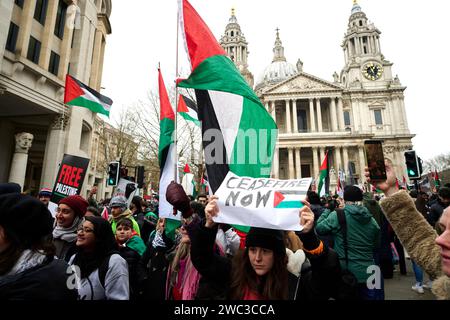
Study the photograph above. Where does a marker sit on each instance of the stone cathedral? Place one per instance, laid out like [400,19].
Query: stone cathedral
[365,101]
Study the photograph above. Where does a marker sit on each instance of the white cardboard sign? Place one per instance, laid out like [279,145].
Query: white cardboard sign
[261,202]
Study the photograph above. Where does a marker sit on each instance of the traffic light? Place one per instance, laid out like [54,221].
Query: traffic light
[140,176]
[412,165]
[113,173]
[420,162]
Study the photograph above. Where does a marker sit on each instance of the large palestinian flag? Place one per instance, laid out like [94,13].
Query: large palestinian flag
[79,94]
[239,135]
[166,157]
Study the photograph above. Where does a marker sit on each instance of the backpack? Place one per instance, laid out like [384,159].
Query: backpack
[103,269]
[348,285]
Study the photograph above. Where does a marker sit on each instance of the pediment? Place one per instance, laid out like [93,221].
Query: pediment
[303,82]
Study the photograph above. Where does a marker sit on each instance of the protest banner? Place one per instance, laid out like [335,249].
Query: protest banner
[261,202]
[70,177]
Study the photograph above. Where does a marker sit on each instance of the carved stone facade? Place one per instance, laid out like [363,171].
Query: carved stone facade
[363,102]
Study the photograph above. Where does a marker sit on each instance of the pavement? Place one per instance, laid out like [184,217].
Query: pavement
[399,287]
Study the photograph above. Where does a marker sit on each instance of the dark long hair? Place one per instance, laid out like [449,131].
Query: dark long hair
[271,286]
[105,245]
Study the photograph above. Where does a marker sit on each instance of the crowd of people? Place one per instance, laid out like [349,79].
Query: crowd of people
[128,254]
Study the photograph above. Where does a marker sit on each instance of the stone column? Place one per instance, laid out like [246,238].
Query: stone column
[272,105]
[405,118]
[47,35]
[334,123]
[362,164]
[291,163]
[294,115]
[394,120]
[345,155]
[20,158]
[355,113]
[319,115]
[26,21]
[288,117]
[315,162]
[312,116]
[96,57]
[298,164]
[54,150]
[276,163]
[340,111]
[337,158]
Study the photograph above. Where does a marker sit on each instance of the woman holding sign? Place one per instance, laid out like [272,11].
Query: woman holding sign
[260,271]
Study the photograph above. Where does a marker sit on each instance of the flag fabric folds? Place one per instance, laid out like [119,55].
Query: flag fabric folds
[166,157]
[323,189]
[188,109]
[244,133]
[78,94]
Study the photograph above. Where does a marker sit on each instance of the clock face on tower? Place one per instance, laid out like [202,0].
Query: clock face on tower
[372,71]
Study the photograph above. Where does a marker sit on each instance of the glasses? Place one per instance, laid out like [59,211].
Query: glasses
[85,230]
[63,211]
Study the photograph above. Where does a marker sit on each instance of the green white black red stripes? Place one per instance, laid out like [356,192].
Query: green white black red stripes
[188,109]
[80,95]
[323,177]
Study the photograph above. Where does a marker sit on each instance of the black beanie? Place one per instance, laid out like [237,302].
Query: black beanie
[25,219]
[10,187]
[353,193]
[266,238]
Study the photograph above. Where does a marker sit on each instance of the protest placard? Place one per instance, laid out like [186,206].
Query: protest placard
[261,202]
[70,177]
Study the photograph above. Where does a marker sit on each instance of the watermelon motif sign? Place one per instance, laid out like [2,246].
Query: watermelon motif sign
[261,202]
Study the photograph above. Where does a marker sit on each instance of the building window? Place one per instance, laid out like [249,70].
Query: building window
[360,23]
[85,137]
[53,66]
[347,118]
[232,33]
[40,11]
[12,37]
[60,19]
[378,117]
[34,50]
[302,121]
[19,3]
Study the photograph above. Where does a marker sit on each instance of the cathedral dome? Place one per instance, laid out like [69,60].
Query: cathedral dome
[279,69]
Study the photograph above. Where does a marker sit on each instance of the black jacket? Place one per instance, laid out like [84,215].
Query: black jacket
[48,281]
[316,283]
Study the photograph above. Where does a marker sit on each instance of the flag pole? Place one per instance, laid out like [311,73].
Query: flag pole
[175,140]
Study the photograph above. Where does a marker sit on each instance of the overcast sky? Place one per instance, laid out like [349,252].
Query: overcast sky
[414,37]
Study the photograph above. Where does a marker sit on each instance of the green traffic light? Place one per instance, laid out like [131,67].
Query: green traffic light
[411,173]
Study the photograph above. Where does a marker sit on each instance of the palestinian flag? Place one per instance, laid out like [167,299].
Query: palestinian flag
[166,158]
[80,95]
[187,169]
[227,107]
[288,199]
[188,109]
[323,187]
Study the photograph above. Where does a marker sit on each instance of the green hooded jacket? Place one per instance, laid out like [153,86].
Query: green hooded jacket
[363,237]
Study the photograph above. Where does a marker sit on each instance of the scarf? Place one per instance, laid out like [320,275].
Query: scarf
[251,295]
[125,214]
[187,279]
[158,240]
[67,234]
[27,260]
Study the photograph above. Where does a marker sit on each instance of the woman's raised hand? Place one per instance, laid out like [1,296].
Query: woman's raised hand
[211,211]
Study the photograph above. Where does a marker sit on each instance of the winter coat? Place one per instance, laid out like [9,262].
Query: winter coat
[132,252]
[317,283]
[436,210]
[129,215]
[363,236]
[65,249]
[47,281]
[418,238]
[116,286]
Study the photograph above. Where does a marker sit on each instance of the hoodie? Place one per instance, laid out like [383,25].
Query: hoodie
[363,236]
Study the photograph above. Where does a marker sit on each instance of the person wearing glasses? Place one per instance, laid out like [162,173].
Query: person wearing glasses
[69,214]
[102,274]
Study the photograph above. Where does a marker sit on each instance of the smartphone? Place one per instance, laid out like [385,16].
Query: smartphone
[375,159]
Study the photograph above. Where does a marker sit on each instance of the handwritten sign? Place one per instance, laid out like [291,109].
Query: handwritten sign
[70,177]
[261,202]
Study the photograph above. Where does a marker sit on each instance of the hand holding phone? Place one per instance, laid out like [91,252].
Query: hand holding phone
[375,160]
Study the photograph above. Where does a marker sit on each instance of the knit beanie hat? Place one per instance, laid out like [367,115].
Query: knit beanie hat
[45,192]
[118,201]
[25,219]
[10,187]
[266,238]
[353,193]
[76,203]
